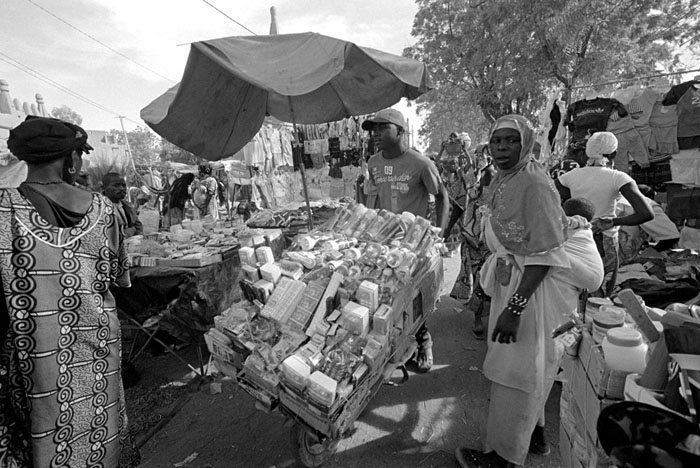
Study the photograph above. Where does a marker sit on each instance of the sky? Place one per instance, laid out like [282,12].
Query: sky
[155,36]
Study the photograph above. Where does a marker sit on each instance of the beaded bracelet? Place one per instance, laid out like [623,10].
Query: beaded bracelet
[514,310]
[518,300]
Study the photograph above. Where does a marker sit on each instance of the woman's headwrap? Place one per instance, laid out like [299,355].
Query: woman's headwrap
[41,139]
[204,169]
[598,146]
[526,213]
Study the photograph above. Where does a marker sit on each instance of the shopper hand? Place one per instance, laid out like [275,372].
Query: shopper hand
[602,224]
[506,327]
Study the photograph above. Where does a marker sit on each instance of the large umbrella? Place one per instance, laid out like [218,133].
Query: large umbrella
[231,84]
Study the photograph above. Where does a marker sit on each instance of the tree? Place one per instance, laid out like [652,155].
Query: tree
[67,114]
[504,55]
[143,142]
[170,152]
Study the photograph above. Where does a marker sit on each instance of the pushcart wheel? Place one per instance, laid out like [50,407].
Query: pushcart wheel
[313,450]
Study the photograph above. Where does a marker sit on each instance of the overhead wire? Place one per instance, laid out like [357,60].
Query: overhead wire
[32,72]
[227,16]
[100,42]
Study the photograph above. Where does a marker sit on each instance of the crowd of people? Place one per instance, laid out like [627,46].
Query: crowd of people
[530,246]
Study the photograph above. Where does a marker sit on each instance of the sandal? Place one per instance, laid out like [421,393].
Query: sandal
[424,359]
[468,458]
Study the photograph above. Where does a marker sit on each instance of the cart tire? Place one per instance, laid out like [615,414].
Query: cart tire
[313,452]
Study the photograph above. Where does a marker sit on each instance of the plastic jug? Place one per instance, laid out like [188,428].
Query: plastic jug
[625,350]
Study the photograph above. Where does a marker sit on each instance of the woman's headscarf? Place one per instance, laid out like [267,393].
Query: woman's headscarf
[600,145]
[41,139]
[526,213]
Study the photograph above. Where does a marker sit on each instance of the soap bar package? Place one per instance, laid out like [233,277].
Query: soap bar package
[368,295]
[355,318]
[322,388]
[271,272]
[247,256]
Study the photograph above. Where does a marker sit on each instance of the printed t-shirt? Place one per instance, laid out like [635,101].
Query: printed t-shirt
[586,117]
[404,183]
[599,185]
[689,113]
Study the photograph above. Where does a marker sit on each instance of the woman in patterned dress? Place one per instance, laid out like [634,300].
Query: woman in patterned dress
[61,395]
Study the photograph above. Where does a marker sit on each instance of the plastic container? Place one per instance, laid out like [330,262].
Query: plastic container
[593,304]
[606,318]
[625,350]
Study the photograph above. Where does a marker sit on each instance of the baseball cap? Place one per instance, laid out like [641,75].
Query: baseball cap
[385,116]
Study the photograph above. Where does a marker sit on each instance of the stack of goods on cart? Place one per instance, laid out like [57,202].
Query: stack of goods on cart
[627,351]
[194,243]
[331,312]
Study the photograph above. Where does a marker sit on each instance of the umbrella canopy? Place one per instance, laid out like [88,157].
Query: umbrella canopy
[231,84]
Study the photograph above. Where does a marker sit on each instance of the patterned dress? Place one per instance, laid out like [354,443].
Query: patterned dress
[61,395]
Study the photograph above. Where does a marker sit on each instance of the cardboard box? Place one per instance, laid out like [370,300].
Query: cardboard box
[606,383]
[284,300]
[586,398]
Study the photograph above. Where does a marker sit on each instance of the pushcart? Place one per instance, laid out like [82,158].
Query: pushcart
[316,430]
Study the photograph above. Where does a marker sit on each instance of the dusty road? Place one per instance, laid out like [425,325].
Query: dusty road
[418,424]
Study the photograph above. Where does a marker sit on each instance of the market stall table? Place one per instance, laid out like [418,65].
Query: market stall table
[186,299]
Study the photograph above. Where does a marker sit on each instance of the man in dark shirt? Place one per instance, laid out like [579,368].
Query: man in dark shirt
[114,188]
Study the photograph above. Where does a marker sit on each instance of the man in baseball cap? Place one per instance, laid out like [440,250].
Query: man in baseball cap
[385,116]
[404,180]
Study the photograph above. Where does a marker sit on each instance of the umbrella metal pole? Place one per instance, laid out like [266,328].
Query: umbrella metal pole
[301,166]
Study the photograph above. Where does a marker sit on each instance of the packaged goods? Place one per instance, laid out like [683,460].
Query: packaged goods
[247,256]
[375,226]
[251,273]
[263,289]
[382,320]
[290,269]
[322,388]
[368,295]
[415,233]
[264,255]
[366,220]
[338,245]
[395,257]
[271,272]
[284,300]
[296,371]
[304,311]
[355,318]
[375,351]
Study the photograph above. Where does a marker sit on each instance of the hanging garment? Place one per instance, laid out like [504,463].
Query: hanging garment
[630,147]
[676,92]
[689,119]
[588,116]
[640,109]
[663,123]
[685,167]
[656,173]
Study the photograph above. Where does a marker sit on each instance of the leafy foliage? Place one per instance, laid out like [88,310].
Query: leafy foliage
[66,114]
[502,56]
[143,142]
[170,152]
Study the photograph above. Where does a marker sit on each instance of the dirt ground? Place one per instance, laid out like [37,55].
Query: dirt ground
[418,424]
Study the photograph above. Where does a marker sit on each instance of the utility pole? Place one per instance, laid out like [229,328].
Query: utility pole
[128,148]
